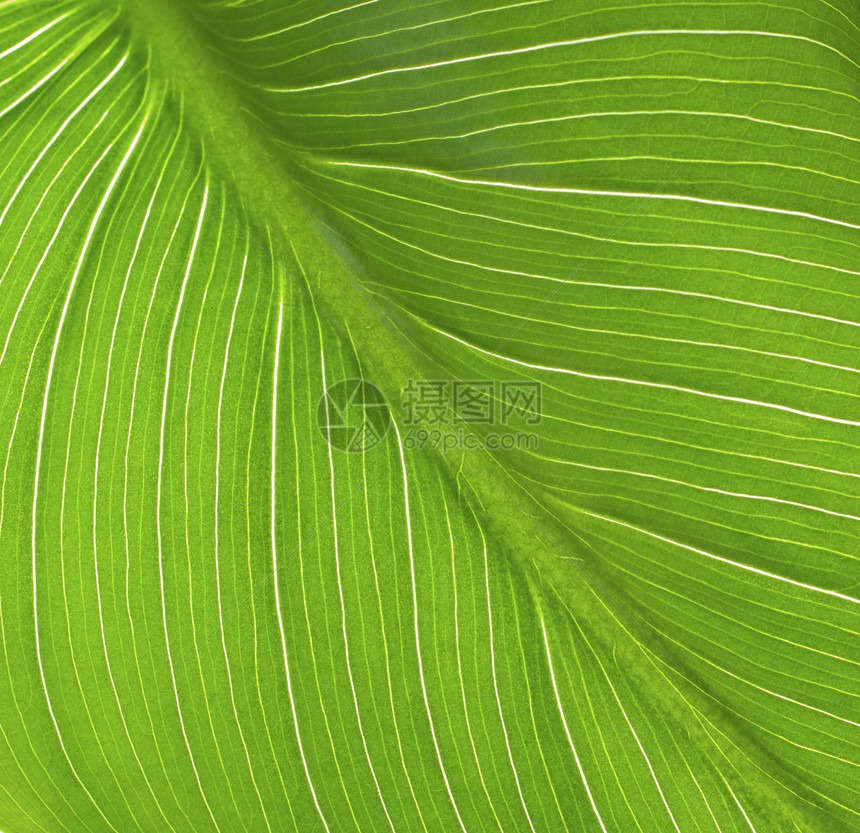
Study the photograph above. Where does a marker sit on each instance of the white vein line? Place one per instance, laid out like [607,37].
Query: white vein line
[740,806]
[776,694]
[415,621]
[14,431]
[131,413]
[36,210]
[567,730]
[305,22]
[546,189]
[158,499]
[40,443]
[45,254]
[248,547]
[342,605]
[659,385]
[56,136]
[615,114]
[186,513]
[275,566]
[553,45]
[398,30]
[633,288]
[217,541]
[95,504]
[522,662]
[617,240]
[641,748]
[385,646]
[43,80]
[711,489]
[3,639]
[460,671]
[35,34]
[496,682]
[67,446]
[131,407]
[722,560]
[707,804]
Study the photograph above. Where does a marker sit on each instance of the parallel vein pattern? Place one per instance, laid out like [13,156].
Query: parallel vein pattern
[213,619]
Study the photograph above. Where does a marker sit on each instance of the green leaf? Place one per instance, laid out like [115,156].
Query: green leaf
[231,602]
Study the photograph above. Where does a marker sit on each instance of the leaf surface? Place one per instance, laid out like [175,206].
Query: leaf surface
[213,618]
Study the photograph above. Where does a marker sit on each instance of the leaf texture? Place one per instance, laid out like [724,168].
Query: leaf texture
[214,619]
